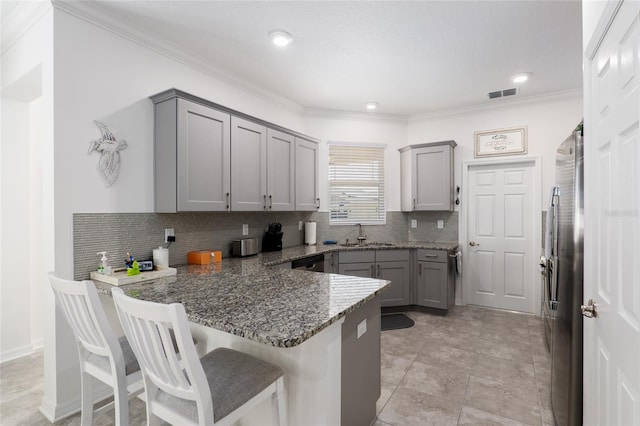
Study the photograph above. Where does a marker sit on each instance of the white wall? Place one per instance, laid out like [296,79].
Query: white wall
[549,120]
[26,236]
[360,128]
[102,76]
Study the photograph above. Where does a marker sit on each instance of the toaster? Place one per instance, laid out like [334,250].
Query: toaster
[244,247]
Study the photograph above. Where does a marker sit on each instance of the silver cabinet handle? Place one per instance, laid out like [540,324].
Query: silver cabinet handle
[372,273]
[270,202]
[264,202]
[590,310]
[431,255]
[318,203]
[228,198]
[473,243]
[419,268]
[414,203]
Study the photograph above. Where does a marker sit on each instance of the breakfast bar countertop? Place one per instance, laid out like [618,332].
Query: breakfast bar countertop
[241,296]
[251,298]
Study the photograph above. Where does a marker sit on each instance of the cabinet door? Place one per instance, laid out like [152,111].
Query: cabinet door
[364,270]
[203,154]
[399,293]
[432,285]
[432,169]
[306,176]
[280,170]
[248,165]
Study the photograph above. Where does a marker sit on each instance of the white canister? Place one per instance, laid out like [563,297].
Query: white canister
[161,258]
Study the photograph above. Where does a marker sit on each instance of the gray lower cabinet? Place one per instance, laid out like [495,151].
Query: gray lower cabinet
[392,265]
[399,294]
[361,374]
[434,280]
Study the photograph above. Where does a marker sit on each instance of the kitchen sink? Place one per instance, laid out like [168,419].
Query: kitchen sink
[370,244]
[378,244]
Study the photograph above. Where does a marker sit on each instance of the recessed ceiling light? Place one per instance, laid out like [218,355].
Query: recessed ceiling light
[371,106]
[521,78]
[280,38]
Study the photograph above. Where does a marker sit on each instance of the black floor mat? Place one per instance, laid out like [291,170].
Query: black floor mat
[396,321]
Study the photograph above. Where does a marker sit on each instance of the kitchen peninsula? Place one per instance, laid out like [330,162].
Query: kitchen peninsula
[323,330]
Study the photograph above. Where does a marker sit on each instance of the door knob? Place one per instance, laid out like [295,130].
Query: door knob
[473,243]
[590,310]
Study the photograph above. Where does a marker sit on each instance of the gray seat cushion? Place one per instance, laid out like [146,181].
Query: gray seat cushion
[130,361]
[234,378]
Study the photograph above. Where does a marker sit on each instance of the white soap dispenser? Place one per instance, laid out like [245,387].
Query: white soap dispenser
[104,267]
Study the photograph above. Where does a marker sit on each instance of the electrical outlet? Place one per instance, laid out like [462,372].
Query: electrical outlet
[441,224]
[245,229]
[414,223]
[168,232]
[299,225]
[362,328]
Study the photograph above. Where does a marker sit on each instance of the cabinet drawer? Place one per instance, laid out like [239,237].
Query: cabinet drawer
[432,255]
[357,256]
[392,255]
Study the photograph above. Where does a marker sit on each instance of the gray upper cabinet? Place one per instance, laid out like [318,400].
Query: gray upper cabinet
[191,157]
[281,151]
[307,198]
[427,176]
[211,158]
[248,165]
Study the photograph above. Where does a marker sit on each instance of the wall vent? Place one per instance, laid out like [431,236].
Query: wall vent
[502,93]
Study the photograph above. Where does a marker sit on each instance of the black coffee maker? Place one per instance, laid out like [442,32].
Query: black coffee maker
[272,240]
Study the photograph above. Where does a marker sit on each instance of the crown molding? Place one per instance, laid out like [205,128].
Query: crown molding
[350,115]
[121,25]
[20,20]
[498,103]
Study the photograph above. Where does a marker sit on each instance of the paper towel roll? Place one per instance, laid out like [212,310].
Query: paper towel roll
[310,233]
[161,258]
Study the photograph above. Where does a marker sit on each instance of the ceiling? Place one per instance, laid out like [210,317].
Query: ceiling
[412,57]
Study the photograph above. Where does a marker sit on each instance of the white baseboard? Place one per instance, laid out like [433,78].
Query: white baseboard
[21,351]
[56,412]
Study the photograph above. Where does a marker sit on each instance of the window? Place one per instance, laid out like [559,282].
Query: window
[356,184]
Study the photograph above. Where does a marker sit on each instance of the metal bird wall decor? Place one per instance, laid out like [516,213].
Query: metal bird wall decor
[109,149]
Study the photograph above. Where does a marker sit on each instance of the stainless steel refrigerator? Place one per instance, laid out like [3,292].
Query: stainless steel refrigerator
[563,271]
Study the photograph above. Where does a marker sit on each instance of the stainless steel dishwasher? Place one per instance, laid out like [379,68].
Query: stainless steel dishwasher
[312,263]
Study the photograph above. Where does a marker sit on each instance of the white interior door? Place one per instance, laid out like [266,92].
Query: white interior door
[612,222]
[500,223]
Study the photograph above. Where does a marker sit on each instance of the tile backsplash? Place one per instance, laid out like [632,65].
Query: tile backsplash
[140,233]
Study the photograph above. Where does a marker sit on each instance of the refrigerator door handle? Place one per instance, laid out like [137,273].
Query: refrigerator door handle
[551,248]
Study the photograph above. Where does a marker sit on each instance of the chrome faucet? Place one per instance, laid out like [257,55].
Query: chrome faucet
[361,237]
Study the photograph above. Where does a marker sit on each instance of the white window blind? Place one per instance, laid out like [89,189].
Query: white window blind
[356,184]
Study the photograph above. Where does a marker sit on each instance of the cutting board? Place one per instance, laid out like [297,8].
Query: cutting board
[121,278]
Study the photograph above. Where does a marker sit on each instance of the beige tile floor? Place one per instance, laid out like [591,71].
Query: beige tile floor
[471,367]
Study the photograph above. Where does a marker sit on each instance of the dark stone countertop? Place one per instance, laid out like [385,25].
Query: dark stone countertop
[275,306]
[278,307]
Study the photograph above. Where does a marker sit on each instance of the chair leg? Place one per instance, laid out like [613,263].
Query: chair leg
[86,384]
[121,401]
[150,394]
[278,408]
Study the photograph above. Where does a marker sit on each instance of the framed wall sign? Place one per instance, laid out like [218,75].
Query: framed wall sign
[511,141]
